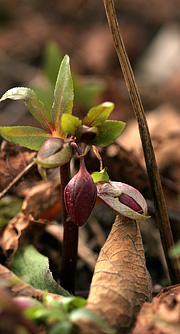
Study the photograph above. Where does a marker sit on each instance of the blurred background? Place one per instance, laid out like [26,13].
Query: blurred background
[36,34]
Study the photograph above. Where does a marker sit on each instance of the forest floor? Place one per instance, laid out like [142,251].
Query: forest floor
[33,39]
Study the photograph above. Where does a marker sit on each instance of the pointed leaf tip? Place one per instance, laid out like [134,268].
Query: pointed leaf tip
[99,114]
[63,95]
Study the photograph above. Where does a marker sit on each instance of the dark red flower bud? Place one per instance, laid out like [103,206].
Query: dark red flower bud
[80,196]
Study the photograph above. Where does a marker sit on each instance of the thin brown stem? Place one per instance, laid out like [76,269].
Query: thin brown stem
[152,170]
[70,239]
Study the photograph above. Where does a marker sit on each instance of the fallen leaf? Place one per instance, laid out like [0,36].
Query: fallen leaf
[121,282]
[43,200]
[33,268]
[13,159]
[10,235]
[162,315]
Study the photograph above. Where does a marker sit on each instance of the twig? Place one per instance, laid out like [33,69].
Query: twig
[152,170]
[17,178]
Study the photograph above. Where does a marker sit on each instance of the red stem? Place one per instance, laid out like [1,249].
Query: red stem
[70,239]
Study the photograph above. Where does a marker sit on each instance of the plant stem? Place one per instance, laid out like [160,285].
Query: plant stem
[70,239]
[152,170]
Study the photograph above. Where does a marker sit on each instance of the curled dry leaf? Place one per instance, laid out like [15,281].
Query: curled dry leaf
[42,201]
[162,315]
[10,235]
[121,282]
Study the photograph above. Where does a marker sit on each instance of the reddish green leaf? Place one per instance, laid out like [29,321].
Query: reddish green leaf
[108,132]
[63,96]
[98,115]
[35,106]
[27,136]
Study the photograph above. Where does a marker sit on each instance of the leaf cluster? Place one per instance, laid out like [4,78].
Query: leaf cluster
[63,315]
[59,122]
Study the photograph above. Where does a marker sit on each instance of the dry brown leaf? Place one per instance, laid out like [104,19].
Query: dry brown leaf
[162,315]
[121,282]
[13,159]
[10,235]
[164,125]
[43,200]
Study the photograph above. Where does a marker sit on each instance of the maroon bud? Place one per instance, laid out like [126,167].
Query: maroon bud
[130,202]
[86,133]
[80,195]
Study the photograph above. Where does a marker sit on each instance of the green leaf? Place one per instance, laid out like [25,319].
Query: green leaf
[26,136]
[33,268]
[35,106]
[37,313]
[70,123]
[101,176]
[108,132]
[64,327]
[98,115]
[88,314]
[42,314]
[63,95]
[71,303]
